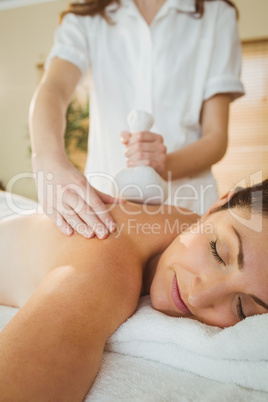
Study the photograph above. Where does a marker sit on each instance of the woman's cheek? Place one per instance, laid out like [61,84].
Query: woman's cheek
[220,316]
[187,252]
[192,252]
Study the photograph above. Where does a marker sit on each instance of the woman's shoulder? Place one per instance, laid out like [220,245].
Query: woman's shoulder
[152,226]
[218,8]
[153,213]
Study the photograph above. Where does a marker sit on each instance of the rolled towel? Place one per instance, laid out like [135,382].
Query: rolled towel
[141,183]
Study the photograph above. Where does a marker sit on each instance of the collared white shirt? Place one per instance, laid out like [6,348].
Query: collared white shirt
[168,69]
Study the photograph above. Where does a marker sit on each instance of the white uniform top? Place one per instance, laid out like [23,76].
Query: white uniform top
[168,69]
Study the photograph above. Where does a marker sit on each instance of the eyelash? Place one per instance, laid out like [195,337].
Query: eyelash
[215,252]
[239,310]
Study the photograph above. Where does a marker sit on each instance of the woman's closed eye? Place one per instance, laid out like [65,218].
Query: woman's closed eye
[213,246]
[239,310]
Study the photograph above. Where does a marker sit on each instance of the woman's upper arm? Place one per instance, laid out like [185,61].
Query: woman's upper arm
[58,336]
[69,57]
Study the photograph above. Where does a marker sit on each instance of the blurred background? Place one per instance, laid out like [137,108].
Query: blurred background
[26,35]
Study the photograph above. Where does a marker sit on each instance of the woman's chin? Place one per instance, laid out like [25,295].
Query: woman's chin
[162,303]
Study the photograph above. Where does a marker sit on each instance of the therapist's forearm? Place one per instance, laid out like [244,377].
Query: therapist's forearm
[210,148]
[194,158]
[48,109]
[47,122]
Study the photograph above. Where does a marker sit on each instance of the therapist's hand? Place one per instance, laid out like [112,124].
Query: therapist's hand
[145,149]
[70,201]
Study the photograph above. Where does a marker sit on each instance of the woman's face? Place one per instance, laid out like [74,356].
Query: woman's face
[216,272]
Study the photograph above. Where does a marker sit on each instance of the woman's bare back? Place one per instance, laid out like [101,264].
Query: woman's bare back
[32,246]
[88,289]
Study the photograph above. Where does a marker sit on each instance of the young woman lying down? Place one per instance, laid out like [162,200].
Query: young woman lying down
[74,293]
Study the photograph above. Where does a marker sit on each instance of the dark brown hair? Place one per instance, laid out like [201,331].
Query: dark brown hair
[253,199]
[97,7]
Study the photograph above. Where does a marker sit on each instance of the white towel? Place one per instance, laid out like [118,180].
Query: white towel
[136,379]
[133,379]
[237,354]
[13,204]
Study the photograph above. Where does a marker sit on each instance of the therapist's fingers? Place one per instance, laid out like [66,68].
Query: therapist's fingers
[141,148]
[90,210]
[156,161]
[70,195]
[143,142]
[125,137]
[142,156]
[145,136]
[61,223]
[84,221]
[76,223]
[84,203]
[96,201]
[147,149]
[144,162]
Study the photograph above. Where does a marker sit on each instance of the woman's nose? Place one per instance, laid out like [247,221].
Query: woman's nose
[204,294]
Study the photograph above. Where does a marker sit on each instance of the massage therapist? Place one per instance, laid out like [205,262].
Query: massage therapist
[179,60]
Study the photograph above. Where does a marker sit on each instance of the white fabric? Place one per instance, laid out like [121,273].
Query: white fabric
[141,184]
[129,378]
[168,69]
[14,204]
[237,354]
[126,378]
[139,120]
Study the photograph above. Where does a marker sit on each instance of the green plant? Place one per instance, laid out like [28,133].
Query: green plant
[77,125]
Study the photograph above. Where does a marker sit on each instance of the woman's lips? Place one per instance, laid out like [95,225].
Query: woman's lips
[176,297]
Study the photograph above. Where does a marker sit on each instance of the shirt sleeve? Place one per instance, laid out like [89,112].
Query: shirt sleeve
[71,43]
[225,67]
